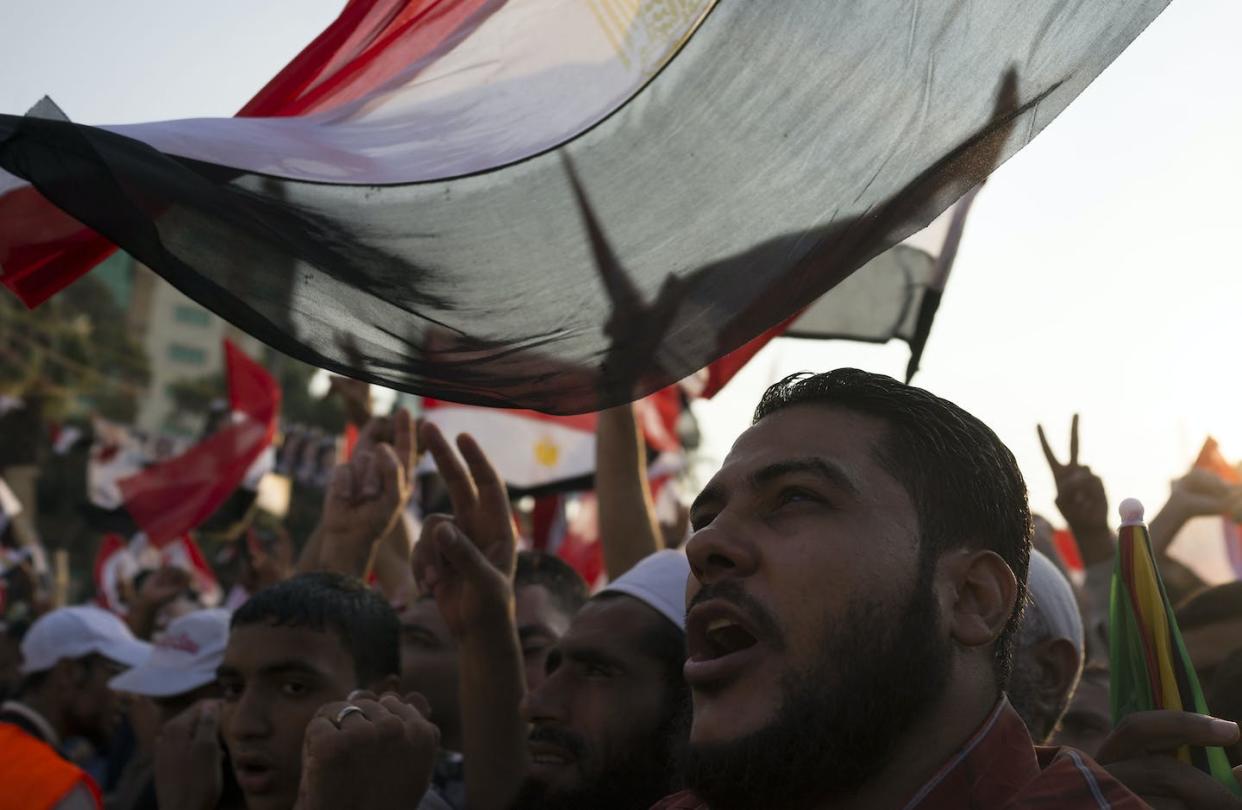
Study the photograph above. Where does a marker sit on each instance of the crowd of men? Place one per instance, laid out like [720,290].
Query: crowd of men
[865,614]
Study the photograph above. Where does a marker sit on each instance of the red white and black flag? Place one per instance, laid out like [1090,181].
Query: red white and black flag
[561,204]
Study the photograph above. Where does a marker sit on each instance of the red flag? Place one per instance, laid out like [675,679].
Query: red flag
[170,498]
[1067,546]
[718,373]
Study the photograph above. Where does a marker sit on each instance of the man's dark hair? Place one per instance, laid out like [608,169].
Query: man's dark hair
[964,482]
[566,587]
[364,623]
[1221,603]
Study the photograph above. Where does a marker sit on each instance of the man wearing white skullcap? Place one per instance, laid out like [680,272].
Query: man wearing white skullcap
[1049,658]
[607,722]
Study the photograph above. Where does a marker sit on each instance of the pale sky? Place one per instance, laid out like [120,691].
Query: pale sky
[1098,272]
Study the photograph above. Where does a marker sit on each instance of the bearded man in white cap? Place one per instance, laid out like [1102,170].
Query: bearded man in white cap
[608,722]
[1048,661]
[68,658]
[604,727]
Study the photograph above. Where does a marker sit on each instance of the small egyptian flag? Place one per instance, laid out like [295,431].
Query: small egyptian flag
[1149,664]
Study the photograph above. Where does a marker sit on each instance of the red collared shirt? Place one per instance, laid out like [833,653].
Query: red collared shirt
[999,767]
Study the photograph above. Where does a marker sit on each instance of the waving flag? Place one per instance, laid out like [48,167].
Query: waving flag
[536,453]
[566,204]
[1149,666]
[170,498]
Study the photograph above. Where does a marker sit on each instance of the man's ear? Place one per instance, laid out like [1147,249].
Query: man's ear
[981,593]
[1060,667]
[388,683]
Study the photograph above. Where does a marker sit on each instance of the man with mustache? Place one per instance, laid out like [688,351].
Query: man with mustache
[608,719]
[609,722]
[859,563]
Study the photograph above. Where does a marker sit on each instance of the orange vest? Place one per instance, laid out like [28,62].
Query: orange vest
[33,776]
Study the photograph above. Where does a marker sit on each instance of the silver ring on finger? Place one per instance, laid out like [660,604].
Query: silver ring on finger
[345,712]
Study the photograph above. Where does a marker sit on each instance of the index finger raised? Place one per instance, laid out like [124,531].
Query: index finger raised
[1048,454]
[493,494]
[460,485]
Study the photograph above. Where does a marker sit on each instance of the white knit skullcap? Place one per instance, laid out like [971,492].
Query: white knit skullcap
[659,580]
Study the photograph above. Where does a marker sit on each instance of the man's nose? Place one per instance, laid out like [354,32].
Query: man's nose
[248,718]
[544,703]
[721,550]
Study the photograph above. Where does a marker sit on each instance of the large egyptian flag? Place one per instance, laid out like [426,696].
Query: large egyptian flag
[566,204]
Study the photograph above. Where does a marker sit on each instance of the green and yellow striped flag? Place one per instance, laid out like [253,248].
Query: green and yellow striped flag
[1150,666]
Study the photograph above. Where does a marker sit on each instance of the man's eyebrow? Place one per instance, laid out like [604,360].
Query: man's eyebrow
[827,470]
[277,668]
[712,495]
[589,655]
[527,631]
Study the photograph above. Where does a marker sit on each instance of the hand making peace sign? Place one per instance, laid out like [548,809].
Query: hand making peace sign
[1081,499]
[467,560]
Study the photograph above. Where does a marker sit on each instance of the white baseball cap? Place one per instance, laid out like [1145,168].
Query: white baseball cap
[659,580]
[76,632]
[1051,595]
[184,658]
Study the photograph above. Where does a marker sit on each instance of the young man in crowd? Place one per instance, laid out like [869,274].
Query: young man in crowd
[296,653]
[1049,659]
[859,565]
[69,656]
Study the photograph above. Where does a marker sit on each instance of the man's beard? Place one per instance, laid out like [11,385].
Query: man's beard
[839,720]
[634,780]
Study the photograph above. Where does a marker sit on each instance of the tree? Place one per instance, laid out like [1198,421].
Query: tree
[76,349]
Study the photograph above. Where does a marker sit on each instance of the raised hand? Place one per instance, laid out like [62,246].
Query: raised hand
[1202,493]
[267,563]
[162,586]
[368,754]
[467,561]
[367,494]
[189,761]
[1081,499]
[355,396]
[158,589]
